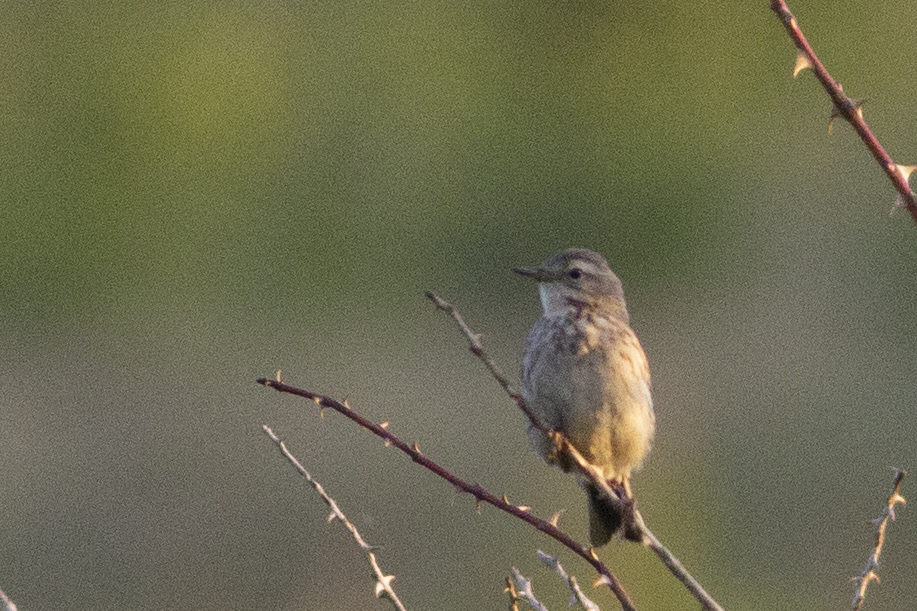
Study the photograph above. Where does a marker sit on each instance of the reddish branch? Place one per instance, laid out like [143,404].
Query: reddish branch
[847,108]
[475,490]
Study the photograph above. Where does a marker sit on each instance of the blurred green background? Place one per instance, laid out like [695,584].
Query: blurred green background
[197,194]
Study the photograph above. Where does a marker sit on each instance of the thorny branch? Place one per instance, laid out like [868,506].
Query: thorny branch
[869,573]
[476,490]
[524,592]
[847,108]
[383,581]
[670,561]
[577,597]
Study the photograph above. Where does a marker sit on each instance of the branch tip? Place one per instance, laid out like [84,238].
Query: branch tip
[438,301]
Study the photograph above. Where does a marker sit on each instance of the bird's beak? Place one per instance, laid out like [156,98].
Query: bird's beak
[536,274]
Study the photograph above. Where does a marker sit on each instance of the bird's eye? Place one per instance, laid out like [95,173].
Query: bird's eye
[575,273]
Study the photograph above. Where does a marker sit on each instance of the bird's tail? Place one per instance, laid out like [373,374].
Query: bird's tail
[606,519]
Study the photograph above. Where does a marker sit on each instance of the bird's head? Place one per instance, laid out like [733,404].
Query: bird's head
[575,276]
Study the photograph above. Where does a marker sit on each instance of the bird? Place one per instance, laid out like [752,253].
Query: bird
[584,374]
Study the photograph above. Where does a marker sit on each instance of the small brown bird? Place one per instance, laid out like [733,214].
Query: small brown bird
[584,373]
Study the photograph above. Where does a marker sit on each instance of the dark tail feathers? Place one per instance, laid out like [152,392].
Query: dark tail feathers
[606,519]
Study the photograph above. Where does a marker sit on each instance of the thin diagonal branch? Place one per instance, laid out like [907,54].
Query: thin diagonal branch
[476,490]
[5,603]
[477,349]
[869,573]
[669,559]
[847,108]
[525,592]
[577,597]
[383,581]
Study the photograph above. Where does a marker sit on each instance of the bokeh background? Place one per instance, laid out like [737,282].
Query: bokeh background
[197,194]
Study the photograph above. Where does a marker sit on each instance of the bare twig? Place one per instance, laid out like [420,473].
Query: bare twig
[383,581]
[869,573]
[668,558]
[477,349]
[576,593]
[5,603]
[513,595]
[476,490]
[525,591]
[677,569]
[847,108]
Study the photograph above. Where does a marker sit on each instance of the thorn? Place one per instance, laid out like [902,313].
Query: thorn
[386,443]
[556,518]
[896,498]
[504,499]
[836,112]
[317,399]
[332,517]
[524,508]
[384,425]
[592,553]
[346,404]
[416,447]
[477,506]
[321,412]
[278,377]
[905,171]
[383,584]
[601,581]
[802,63]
